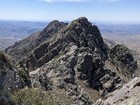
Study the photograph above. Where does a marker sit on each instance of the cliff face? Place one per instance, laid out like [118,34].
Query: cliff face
[74,61]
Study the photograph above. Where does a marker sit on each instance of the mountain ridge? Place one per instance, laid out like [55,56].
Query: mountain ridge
[33,40]
[71,60]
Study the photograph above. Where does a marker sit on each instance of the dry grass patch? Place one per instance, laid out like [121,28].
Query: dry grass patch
[34,97]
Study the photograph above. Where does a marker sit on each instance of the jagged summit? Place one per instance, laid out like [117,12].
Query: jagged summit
[55,23]
[53,27]
[82,20]
[84,34]
[82,24]
[80,33]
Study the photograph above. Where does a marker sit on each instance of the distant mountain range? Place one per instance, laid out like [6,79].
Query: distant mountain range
[13,31]
[124,34]
[119,29]
[20,28]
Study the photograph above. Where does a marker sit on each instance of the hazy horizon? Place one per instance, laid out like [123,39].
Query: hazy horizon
[68,21]
[106,11]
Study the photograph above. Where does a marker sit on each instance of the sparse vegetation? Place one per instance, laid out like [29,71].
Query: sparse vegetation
[33,97]
[2,57]
[22,73]
[5,59]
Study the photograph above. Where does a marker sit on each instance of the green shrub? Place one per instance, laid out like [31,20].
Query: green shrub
[6,59]
[22,73]
[33,97]
[2,57]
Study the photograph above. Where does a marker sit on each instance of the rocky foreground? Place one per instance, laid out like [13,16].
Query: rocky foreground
[75,65]
[6,73]
[129,94]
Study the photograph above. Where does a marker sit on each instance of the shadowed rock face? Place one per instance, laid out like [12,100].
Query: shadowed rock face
[6,80]
[123,58]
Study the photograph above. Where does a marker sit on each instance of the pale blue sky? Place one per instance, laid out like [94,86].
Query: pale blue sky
[67,10]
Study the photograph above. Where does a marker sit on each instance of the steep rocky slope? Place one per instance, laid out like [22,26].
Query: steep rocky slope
[80,33]
[23,47]
[73,61]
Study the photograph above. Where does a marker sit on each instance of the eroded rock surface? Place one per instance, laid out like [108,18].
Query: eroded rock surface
[129,94]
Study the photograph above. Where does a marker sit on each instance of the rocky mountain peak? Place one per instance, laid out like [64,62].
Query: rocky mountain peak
[71,59]
[23,47]
[81,25]
[84,34]
[55,25]
[79,33]
[82,20]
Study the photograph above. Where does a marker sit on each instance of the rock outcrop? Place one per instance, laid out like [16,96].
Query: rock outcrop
[6,80]
[127,95]
[122,58]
